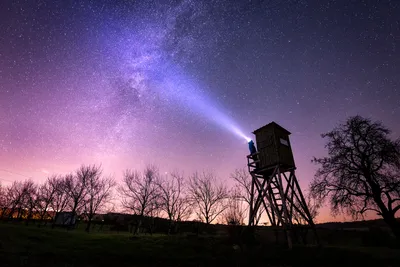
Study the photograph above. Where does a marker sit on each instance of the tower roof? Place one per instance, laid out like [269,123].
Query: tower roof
[272,125]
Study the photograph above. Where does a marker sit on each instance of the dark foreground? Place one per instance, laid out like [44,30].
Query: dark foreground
[22,245]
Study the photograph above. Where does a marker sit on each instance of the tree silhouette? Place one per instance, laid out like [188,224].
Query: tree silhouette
[61,197]
[3,200]
[76,187]
[313,206]
[31,200]
[99,192]
[17,197]
[207,196]
[361,171]
[172,199]
[46,194]
[243,184]
[140,192]
[234,213]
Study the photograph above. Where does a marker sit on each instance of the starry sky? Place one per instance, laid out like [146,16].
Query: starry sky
[179,83]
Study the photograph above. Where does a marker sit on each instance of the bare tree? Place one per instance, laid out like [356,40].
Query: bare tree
[99,192]
[361,171]
[61,197]
[17,197]
[234,214]
[76,187]
[313,206]
[30,200]
[9,199]
[3,200]
[46,194]
[14,196]
[243,184]
[172,199]
[140,192]
[243,181]
[207,196]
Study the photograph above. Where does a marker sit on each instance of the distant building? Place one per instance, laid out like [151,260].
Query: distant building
[65,218]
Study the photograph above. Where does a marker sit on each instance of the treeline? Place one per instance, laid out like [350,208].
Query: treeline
[359,174]
[144,194]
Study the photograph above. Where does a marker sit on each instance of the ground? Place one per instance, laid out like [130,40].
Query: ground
[22,245]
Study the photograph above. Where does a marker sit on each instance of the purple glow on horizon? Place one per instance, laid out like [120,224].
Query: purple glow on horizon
[181,84]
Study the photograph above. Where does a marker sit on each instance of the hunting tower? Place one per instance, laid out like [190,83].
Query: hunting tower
[275,186]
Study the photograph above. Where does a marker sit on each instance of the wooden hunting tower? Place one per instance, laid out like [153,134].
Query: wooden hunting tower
[273,146]
[275,186]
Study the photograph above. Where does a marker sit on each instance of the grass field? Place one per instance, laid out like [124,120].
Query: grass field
[22,245]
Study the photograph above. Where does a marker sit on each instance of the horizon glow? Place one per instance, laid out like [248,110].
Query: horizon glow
[180,83]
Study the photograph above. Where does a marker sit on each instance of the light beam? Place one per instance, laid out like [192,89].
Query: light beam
[186,92]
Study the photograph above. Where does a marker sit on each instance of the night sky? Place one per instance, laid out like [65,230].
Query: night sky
[174,83]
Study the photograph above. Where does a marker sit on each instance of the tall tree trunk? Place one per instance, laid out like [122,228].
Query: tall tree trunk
[3,213]
[42,218]
[170,226]
[89,223]
[19,215]
[73,215]
[388,217]
[54,219]
[29,217]
[10,215]
[151,224]
[393,223]
[138,225]
[43,214]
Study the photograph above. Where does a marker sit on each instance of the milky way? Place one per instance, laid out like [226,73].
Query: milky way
[177,83]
